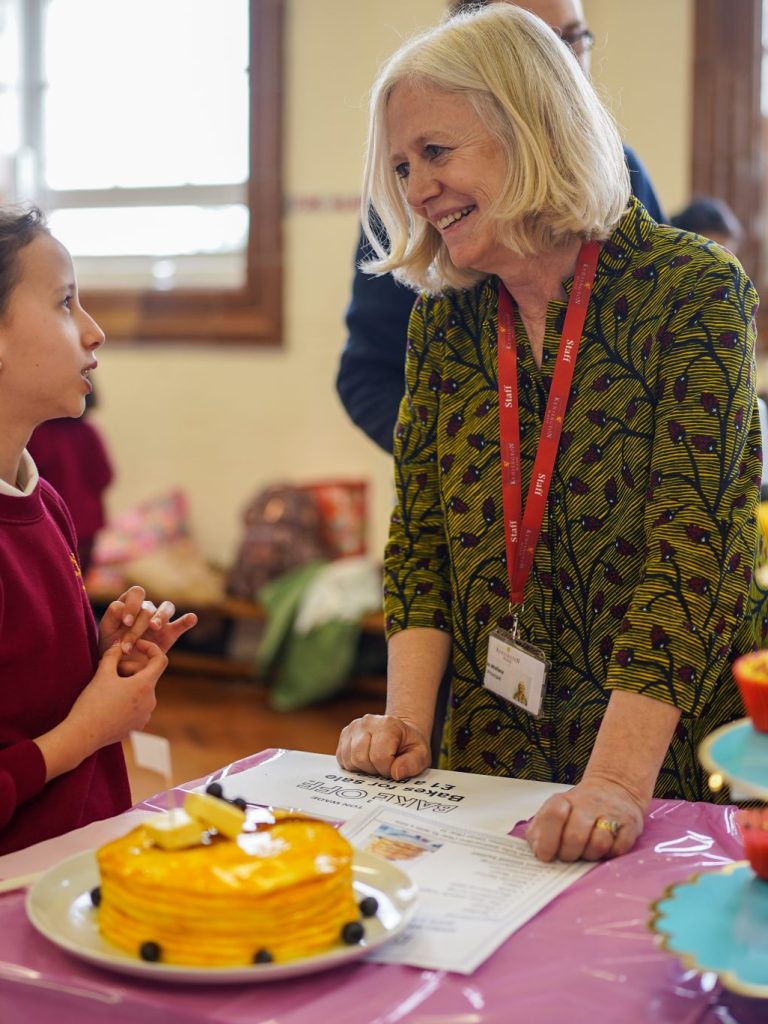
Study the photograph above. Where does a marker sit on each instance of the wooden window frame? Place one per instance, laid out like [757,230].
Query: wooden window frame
[728,129]
[251,314]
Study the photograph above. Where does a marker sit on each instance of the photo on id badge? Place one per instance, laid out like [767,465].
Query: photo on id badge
[515,671]
[521,693]
[522,688]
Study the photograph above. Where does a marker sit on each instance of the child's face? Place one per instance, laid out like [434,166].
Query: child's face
[47,340]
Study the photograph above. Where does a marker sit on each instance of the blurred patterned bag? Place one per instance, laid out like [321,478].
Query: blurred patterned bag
[343,511]
[283,530]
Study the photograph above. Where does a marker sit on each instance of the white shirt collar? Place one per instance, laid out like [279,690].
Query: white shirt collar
[26,481]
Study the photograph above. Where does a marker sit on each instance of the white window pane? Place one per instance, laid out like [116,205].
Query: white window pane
[146,92]
[151,230]
[105,273]
[10,134]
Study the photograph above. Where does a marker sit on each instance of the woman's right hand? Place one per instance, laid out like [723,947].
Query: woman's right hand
[384,745]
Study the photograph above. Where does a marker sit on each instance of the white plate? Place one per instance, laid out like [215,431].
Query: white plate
[59,906]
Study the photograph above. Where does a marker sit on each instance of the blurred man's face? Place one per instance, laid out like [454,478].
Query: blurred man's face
[567,18]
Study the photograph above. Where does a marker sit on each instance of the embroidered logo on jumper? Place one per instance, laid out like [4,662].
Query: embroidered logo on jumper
[76,567]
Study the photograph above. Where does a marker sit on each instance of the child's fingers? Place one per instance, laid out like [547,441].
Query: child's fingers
[187,621]
[112,619]
[116,610]
[151,651]
[147,659]
[180,626]
[132,599]
[140,626]
[112,654]
[162,615]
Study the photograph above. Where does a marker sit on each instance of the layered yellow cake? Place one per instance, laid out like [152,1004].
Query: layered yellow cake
[201,897]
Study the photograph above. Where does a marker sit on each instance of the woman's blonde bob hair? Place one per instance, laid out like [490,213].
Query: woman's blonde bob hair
[566,173]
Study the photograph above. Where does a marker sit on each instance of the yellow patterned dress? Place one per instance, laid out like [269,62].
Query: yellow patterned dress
[643,578]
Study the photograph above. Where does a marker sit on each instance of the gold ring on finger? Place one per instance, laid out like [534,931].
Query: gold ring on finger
[608,825]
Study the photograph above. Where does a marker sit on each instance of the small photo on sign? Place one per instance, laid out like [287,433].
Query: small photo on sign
[393,843]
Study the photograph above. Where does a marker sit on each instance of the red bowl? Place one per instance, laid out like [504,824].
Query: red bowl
[751,674]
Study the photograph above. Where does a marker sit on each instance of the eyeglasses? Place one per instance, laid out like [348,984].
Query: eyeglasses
[579,41]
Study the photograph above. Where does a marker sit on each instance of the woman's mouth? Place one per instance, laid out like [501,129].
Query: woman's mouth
[452,218]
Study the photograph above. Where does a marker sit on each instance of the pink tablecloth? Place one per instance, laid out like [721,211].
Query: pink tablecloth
[588,956]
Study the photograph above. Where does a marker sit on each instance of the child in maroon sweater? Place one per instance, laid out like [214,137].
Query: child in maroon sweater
[69,691]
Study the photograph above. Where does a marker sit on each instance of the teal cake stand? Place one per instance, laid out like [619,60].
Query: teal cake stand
[739,753]
[718,920]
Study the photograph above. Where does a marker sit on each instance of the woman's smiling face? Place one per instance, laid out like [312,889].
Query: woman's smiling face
[451,169]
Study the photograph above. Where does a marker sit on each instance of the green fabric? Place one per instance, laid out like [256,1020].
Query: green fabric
[306,667]
[314,665]
[281,598]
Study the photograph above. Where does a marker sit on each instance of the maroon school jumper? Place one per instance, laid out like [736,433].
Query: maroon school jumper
[48,653]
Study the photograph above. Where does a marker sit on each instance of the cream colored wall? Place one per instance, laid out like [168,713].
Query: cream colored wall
[642,66]
[221,422]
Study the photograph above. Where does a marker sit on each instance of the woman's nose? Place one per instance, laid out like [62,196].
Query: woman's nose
[422,186]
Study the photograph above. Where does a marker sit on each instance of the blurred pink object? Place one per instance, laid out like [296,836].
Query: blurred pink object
[143,528]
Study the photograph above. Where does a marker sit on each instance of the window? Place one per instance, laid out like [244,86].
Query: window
[149,131]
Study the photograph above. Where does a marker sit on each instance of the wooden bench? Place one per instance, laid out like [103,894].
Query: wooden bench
[235,609]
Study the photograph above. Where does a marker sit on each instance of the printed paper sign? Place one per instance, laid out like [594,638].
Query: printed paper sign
[315,784]
[475,888]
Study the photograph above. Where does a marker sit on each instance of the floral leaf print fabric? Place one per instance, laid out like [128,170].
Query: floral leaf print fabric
[643,578]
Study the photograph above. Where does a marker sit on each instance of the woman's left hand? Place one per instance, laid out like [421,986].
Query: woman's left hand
[131,617]
[597,818]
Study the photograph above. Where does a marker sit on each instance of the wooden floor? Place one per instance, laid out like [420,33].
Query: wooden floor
[212,722]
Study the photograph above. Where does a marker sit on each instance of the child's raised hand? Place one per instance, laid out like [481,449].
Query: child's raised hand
[106,711]
[131,617]
[112,705]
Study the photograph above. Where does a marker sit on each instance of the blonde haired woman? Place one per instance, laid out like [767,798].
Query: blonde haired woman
[577,458]
[562,171]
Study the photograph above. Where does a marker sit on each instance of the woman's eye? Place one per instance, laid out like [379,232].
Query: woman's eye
[401,170]
[432,151]
[67,301]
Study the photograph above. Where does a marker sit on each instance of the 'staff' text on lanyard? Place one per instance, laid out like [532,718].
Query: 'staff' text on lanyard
[522,527]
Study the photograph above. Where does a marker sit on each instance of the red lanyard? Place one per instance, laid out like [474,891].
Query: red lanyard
[522,528]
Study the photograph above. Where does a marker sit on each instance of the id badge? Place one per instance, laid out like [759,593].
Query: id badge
[516,671]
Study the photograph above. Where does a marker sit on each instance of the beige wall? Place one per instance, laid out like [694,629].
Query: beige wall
[221,422]
[642,67]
